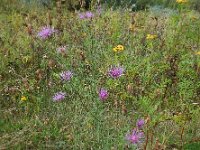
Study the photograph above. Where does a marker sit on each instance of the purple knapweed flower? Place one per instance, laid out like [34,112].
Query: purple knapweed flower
[59,96]
[135,137]
[89,14]
[81,15]
[140,123]
[46,32]
[66,75]
[103,94]
[86,15]
[116,72]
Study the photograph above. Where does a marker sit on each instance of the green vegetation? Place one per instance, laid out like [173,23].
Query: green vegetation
[159,50]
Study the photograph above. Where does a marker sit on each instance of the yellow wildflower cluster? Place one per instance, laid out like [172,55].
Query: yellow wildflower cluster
[118,48]
[181,1]
[151,36]
[23,98]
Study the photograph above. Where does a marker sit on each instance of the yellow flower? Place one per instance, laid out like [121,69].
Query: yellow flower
[181,1]
[115,49]
[198,53]
[23,98]
[151,36]
[118,48]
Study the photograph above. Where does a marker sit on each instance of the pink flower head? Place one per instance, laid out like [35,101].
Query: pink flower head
[89,15]
[86,15]
[66,75]
[116,72]
[46,32]
[81,15]
[59,96]
[103,94]
[140,123]
[135,137]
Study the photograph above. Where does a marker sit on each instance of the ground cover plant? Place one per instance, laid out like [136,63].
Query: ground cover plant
[99,79]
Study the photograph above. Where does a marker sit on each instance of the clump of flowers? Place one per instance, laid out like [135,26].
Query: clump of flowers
[59,96]
[118,48]
[181,1]
[66,75]
[86,15]
[103,94]
[61,49]
[140,123]
[151,36]
[23,98]
[135,136]
[116,72]
[46,32]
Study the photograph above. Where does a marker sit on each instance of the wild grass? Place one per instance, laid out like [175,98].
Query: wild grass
[161,82]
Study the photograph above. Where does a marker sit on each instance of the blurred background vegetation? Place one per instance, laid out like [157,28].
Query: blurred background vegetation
[133,5]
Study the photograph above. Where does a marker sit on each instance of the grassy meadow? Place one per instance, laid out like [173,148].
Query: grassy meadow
[86,83]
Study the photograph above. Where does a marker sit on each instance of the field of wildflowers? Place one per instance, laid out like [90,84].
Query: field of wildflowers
[99,79]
